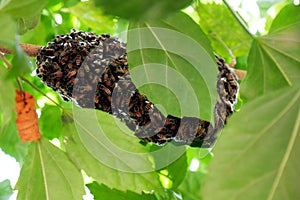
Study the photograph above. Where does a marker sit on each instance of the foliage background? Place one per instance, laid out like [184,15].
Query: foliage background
[255,156]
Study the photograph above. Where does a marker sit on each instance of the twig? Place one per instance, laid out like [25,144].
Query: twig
[8,65]
[20,88]
[30,49]
[233,59]
[238,18]
[240,73]
[40,91]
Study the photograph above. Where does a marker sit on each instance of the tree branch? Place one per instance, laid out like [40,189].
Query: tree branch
[240,73]
[30,49]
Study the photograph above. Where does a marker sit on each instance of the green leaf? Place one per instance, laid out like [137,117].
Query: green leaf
[174,57]
[264,6]
[7,100]
[5,190]
[108,154]
[21,64]
[10,141]
[49,174]
[275,8]
[274,61]
[256,156]
[141,10]
[176,170]
[92,17]
[190,187]
[50,122]
[103,192]
[289,15]
[224,31]
[18,8]
[7,34]
[26,24]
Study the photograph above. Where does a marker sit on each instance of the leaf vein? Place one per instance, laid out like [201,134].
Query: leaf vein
[285,158]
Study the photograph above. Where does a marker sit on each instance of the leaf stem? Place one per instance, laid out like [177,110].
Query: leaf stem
[40,91]
[238,18]
[8,65]
[20,88]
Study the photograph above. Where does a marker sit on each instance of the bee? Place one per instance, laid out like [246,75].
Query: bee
[67,44]
[74,44]
[58,74]
[57,39]
[40,70]
[86,68]
[87,88]
[95,80]
[138,114]
[72,73]
[80,73]
[57,84]
[49,52]
[84,52]
[70,65]
[96,99]
[83,44]
[104,36]
[78,60]
[98,71]
[55,66]
[63,53]
[106,90]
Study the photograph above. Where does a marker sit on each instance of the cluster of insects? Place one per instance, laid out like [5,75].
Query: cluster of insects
[59,62]
[93,71]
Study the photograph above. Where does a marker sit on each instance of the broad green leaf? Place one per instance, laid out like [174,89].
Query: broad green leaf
[175,171]
[289,15]
[224,31]
[7,97]
[275,8]
[106,153]
[274,61]
[21,64]
[92,17]
[264,6]
[10,141]
[174,58]
[50,122]
[53,3]
[5,190]
[25,24]
[42,87]
[41,34]
[7,34]
[103,192]
[18,8]
[49,174]
[191,185]
[256,156]
[141,10]
[70,3]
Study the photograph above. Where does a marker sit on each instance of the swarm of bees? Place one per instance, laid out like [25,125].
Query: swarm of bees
[92,71]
